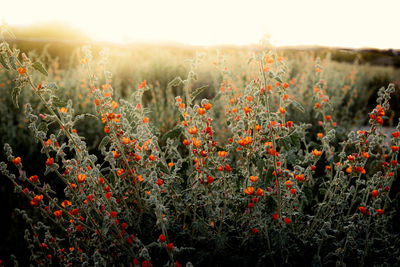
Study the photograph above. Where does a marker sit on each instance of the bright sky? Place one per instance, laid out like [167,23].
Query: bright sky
[346,23]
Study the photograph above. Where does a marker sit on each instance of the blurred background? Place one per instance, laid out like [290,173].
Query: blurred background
[357,43]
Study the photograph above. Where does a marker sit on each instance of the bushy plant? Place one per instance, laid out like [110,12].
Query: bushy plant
[241,179]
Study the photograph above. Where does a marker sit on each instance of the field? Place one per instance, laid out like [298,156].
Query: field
[179,156]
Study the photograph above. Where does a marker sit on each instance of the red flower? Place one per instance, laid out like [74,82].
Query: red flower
[287,220]
[162,238]
[74,212]
[108,195]
[228,168]
[395,134]
[49,161]
[374,193]
[34,179]
[170,246]
[160,182]
[249,190]
[16,161]
[379,211]
[362,209]
[57,213]
[113,214]
[254,230]
[79,228]
[177,264]
[146,264]
[275,216]
[210,179]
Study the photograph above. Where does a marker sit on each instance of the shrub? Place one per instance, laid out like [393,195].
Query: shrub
[243,179]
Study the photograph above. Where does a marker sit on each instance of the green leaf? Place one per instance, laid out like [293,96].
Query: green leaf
[162,167]
[4,62]
[172,134]
[43,127]
[58,102]
[15,93]
[285,142]
[104,142]
[198,91]
[295,140]
[13,62]
[278,79]
[52,86]
[39,67]
[298,106]
[175,82]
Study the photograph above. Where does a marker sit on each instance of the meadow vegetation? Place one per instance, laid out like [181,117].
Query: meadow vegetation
[177,156]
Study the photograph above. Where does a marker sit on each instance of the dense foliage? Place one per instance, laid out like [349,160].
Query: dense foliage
[266,170]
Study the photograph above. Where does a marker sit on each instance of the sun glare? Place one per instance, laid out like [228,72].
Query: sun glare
[207,22]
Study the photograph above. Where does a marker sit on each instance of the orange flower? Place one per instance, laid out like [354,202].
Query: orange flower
[192,130]
[120,172]
[282,110]
[395,134]
[170,164]
[249,98]
[317,70]
[285,85]
[66,203]
[34,179]
[126,140]
[247,110]
[21,71]
[320,135]
[253,179]
[249,190]
[57,213]
[288,183]
[349,169]
[81,178]
[142,85]
[293,191]
[16,161]
[317,105]
[63,110]
[49,161]
[260,192]
[145,120]
[394,148]
[365,154]
[35,201]
[300,177]
[328,117]
[207,106]
[379,211]
[114,104]
[182,105]
[316,153]
[201,111]
[186,142]
[374,193]
[245,141]
[97,102]
[222,154]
